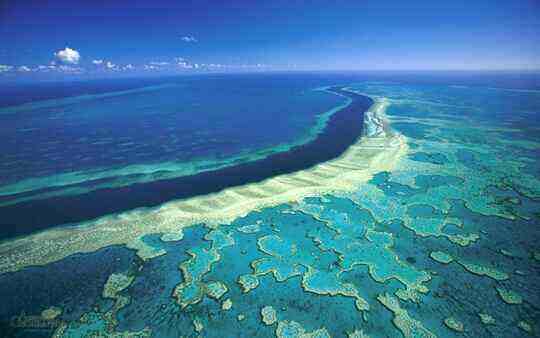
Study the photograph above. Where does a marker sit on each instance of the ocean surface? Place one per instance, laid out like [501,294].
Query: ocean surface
[438,239]
[177,127]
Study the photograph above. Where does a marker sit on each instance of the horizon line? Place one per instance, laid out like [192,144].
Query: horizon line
[101,76]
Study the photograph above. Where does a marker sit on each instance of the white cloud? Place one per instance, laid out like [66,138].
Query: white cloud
[70,69]
[106,64]
[24,69]
[68,55]
[188,38]
[159,63]
[182,63]
[128,67]
[150,67]
[45,68]
[5,68]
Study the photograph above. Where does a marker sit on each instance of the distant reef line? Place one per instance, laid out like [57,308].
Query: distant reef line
[379,149]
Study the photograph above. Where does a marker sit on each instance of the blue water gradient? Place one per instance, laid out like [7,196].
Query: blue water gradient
[176,122]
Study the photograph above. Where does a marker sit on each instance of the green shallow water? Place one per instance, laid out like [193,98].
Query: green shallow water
[445,245]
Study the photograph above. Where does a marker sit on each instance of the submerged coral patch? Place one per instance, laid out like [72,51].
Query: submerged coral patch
[484,271]
[51,313]
[269,315]
[116,283]
[216,289]
[408,326]
[248,282]
[292,329]
[486,319]
[227,304]
[441,257]
[191,290]
[454,324]
[509,296]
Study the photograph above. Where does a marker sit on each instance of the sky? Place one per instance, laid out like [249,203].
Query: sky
[74,38]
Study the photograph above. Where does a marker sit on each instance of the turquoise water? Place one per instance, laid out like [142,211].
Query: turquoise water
[445,244]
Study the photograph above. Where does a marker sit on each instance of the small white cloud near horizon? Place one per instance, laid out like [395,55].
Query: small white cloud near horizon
[68,56]
[24,69]
[70,69]
[109,65]
[182,63]
[153,63]
[45,68]
[188,38]
[5,68]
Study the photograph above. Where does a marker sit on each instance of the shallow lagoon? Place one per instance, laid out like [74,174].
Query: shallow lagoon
[445,244]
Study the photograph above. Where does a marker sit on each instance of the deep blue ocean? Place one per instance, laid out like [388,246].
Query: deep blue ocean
[443,243]
[176,121]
